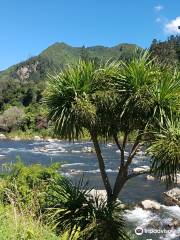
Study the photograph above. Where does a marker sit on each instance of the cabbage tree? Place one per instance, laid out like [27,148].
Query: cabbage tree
[111,100]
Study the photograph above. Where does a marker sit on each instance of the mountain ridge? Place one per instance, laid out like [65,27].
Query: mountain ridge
[28,77]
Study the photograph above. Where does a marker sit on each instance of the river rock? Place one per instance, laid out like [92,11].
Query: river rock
[150,204]
[174,224]
[141,169]
[16,138]
[150,178]
[172,197]
[2,136]
[99,194]
[51,140]
[37,138]
[2,157]
[163,178]
[109,145]
[87,150]
[41,149]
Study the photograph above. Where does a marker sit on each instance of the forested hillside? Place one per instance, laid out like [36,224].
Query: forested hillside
[167,52]
[22,85]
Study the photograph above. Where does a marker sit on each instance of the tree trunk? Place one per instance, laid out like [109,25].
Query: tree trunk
[102,167]
[122,177]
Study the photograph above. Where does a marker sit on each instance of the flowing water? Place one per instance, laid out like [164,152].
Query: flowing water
[76,164]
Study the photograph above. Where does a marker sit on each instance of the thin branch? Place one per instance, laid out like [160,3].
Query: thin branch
[117,142]
[125,139]
[133,151]
[120,148]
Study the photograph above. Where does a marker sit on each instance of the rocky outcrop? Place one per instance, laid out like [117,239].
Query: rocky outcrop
[172,197]
[150,204]
[23,72]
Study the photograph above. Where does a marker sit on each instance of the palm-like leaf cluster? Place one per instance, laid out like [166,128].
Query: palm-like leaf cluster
[106,223]
[77,94]
[68,99]
[165,151]
[79,212]
[112,98]
[166,95]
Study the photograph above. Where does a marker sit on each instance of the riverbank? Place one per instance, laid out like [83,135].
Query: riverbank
[49,134]
[40,135]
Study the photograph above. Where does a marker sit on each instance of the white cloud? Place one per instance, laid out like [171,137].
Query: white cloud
[158,8]
[158,20]
[172,26]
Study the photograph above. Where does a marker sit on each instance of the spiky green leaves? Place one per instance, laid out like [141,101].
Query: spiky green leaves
[68,99]
[78,211]
[165,152]
[72,97]
[112,97]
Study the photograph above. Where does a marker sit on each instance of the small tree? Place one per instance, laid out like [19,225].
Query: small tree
[11,117]
[112,99]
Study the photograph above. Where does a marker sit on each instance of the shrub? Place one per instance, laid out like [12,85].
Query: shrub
[29,186]
[16,226]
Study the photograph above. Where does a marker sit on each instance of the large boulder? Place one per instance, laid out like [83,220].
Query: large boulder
[150,204]
[172,197]
[98,193]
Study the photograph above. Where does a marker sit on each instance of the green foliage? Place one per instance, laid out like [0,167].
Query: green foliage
[11,118]
[165,151]
[112,98]
[165,52]
[166,94]
[105,223]
[68,100]
[74,97]
[22,85]
[91,217]
[35,196]
[30,185]
[15,226]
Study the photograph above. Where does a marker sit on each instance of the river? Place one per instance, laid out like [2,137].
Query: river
[75,164]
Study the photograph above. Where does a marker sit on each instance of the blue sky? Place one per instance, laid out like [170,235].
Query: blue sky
[28,27]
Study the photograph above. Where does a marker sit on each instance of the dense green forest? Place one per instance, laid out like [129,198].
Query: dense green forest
[22,85]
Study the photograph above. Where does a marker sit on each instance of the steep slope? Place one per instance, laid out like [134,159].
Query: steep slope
[26,80]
